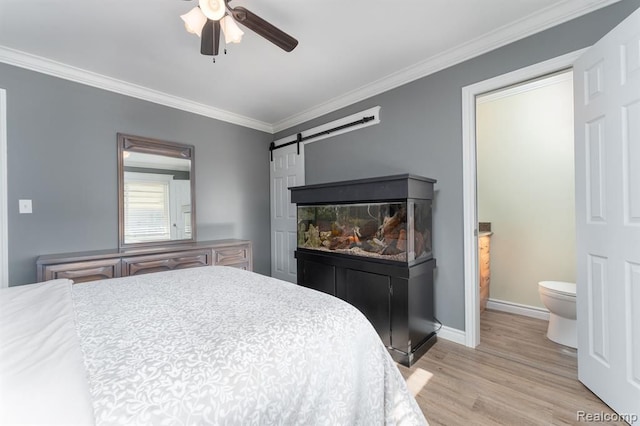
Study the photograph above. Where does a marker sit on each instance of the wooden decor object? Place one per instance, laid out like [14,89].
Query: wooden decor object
[484,245]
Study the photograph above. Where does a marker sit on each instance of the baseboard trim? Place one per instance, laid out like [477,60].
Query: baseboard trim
[517,308]
[452,334]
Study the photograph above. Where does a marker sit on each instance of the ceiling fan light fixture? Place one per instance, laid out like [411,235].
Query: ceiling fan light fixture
[231,30]
[194,20]
[219,18]
[213,9]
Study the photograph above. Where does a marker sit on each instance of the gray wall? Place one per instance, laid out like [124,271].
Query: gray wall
[421,133]
[62,155]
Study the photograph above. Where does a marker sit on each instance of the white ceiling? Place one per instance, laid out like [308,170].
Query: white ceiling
[348,50]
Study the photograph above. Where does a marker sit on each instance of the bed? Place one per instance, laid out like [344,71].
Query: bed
[211,345]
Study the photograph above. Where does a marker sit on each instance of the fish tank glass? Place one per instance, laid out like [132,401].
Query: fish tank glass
[394,231]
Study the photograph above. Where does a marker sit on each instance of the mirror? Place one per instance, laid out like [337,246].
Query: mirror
[156,192]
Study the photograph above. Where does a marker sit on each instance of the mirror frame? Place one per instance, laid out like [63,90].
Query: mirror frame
[157,147]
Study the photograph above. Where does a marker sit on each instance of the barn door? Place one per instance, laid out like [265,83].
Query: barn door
[607,130]
[287,170]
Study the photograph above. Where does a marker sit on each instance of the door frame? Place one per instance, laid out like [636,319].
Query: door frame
[4,212]
[469,178]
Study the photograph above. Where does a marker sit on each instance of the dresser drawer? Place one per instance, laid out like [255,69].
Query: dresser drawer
[232,256]
[243,265]
[79,272]
[135,265]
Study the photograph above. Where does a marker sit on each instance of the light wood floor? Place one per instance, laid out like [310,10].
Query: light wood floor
[516,376]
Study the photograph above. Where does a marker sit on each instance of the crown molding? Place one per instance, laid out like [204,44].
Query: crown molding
[78,75]
[546,18]
[539,21]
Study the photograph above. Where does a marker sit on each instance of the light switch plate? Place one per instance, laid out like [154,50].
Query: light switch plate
[25,206]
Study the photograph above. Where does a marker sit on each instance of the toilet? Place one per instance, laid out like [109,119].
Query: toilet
[560,299]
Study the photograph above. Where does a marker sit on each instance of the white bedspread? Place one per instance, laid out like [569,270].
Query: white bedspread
[43,379]
[219,345]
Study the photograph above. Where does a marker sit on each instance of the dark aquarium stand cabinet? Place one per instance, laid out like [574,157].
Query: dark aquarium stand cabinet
[368,242]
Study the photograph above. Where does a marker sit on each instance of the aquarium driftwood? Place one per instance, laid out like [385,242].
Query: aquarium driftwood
[338,231]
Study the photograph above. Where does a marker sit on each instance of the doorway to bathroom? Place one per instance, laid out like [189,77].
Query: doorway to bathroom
[607,113]
[525,192]
[515,80]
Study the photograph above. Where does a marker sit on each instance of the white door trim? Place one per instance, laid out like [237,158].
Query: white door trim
[4,227]
[469,178]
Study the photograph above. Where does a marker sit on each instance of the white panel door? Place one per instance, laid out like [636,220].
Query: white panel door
[180,201]
[287,170]
[607,129]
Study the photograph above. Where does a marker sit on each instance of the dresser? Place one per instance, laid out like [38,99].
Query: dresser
[102,264]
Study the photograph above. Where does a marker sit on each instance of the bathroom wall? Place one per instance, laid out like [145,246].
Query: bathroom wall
[526,186]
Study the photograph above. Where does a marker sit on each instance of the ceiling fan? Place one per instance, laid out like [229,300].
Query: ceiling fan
[211,17]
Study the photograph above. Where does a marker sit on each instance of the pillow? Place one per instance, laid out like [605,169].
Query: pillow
[43,378]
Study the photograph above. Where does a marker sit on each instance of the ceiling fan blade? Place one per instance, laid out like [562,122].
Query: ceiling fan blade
[264,29]
[216,37]
[210,38]
[206,38]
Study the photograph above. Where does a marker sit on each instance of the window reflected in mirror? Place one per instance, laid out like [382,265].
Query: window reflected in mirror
[156,192]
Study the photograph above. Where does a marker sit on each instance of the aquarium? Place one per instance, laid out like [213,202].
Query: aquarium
[395,231]
[368,242]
